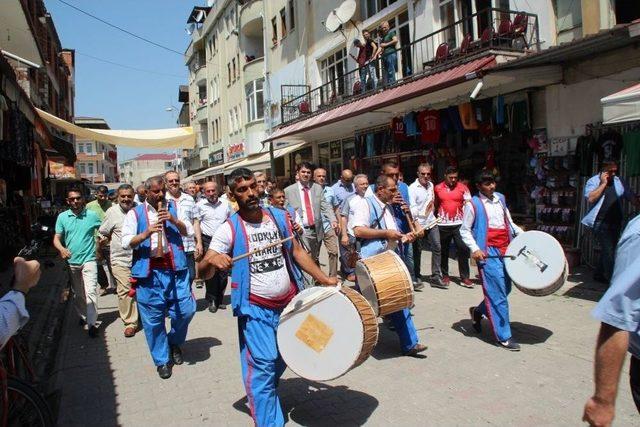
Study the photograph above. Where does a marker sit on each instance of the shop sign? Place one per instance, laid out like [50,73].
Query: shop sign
[60,170]
[334,150]
[217,157]
[235,151]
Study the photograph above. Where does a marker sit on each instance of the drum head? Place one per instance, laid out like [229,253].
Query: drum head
[322,341]
[365,283]
[539,261]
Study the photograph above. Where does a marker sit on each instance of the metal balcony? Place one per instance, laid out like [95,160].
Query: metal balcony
[491,31]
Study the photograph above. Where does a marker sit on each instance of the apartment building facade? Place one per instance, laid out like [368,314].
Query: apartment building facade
[96,162]
[136,170]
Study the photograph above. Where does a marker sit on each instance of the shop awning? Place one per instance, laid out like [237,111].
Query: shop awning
[262,160]
[212,171]
[154,138]
[623,106]
[393,100]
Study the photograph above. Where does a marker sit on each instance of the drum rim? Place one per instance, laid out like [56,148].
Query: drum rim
[355,358]
[509,262]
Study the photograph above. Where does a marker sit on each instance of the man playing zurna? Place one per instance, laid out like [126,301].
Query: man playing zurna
[262,284]
[160,269]
[487,229]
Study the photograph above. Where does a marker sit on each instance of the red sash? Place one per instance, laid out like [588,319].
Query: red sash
[498,238]
[274,303]
[161,263]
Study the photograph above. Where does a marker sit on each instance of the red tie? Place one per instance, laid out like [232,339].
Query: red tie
[307,207]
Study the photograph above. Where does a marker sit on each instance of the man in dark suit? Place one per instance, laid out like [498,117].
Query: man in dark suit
[306,197]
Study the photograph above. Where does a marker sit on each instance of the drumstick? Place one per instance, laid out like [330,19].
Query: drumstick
[501,256]
[255,251]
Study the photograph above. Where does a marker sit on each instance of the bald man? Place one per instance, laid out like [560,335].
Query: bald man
[344,188]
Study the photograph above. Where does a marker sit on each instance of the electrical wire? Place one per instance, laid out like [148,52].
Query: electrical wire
[120,28]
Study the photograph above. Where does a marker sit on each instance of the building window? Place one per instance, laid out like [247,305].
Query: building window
[80,148]
[371,7]
[233,66]
[215,91]
[283,23]
[231,124]
[274,31]
[292,15]
[568,20]
[255,100]
[447,18]
[332,70]
[90,168]
[167,165]
[238,115]
[229,71]
[81,168]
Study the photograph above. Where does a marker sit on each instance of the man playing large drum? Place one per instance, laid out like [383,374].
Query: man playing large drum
[374,224]
[262,284]
[487,229]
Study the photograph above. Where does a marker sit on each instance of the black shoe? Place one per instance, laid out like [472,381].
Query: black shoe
[164,371]
[93,331]
[213,308]
[176,355]
[600,279]
[222,307]
[476,318]
[418,348]
[418,286]
[437,282]
[509,344]
[82,322]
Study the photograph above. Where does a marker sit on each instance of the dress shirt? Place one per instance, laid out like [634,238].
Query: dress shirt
[362,216]
[186,204]
[329,196]
[349,211]
[305,220]
[212,215]
[495,213]
[342,192]
[130,227]
[112,227]
[419,198]
[13,315]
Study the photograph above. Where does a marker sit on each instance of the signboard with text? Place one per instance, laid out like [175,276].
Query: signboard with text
[61,171]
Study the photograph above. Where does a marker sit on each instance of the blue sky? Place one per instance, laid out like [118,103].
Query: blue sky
[125,98]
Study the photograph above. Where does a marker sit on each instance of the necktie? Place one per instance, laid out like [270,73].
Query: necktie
[307,207]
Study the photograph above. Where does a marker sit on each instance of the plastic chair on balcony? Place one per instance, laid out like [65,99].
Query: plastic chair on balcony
[519,28]
[504,32]
[465,46]
[442,53]
[304,107]
[357,88]
[487,37]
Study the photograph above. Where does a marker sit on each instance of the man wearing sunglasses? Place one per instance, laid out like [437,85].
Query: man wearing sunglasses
[75,240]
[421,202]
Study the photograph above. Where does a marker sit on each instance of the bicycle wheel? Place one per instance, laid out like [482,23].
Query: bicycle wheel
[26,406]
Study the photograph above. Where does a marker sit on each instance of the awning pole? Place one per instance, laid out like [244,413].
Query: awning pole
[272,160]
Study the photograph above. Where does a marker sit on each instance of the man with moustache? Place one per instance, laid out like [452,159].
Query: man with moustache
[111,229]
[330,236]
[159,267]
[212,212]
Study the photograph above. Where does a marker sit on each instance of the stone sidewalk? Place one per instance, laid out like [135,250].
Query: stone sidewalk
[464,380]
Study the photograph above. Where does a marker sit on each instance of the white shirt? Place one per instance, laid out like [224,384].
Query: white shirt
[495,214]
[269,275]
[212,215]
[130,228]
[186,204]
[305,220]
[361,215]
[351,203]
[112,228]
[419,198]
[136,200]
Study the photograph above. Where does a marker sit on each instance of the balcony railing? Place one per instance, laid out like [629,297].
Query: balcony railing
[469,38]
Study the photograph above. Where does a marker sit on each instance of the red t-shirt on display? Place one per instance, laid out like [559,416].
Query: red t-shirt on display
[451,202]
[429,124]
[397,130]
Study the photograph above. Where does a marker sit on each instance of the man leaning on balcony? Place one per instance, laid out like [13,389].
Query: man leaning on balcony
[387,51]
[366,60]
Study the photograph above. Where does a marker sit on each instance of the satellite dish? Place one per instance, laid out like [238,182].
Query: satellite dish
[200,15]
[190,28]
[340,15]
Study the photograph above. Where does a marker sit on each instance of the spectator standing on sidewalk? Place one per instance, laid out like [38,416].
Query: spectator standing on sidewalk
[421,203]
[330,229]
[619,314]
[605,192]
[348,244]
[75,240]
[111,228]
[212,212]
[187,205]
[100,206]
[263,195]
[451,196]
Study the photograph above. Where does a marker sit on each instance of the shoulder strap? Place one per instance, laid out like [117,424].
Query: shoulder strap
[376,222]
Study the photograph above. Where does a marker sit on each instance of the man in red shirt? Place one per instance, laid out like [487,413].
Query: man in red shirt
[450,197]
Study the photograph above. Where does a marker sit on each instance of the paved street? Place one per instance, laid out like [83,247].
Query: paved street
[463,380]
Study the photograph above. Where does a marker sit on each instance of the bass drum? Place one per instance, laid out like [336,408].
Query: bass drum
[536,263]
[326,332]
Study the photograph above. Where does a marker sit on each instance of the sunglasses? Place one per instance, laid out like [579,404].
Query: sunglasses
[173,181]
[71,199]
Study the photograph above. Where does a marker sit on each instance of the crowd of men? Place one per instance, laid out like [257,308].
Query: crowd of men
[158,240]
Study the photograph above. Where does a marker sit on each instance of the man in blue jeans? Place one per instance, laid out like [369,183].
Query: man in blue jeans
[604,192]
[387,51]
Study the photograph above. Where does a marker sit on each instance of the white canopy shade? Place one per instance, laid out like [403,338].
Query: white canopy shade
[623,106]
